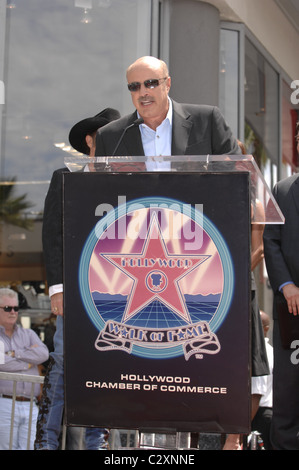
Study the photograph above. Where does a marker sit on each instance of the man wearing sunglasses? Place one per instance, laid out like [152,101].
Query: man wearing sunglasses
[23,352]
[168,128]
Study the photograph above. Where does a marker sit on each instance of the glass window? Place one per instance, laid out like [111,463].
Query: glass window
[229,78]
[62,61]
[262,112]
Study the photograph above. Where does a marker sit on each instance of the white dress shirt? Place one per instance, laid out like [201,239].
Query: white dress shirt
[157,143]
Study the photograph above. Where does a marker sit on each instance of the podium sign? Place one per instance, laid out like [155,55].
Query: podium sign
[157,300]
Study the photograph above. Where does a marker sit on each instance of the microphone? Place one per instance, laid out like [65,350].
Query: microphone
[135,123]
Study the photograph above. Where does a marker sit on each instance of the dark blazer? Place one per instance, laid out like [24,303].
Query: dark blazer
[281,242]
[196,130]
[281,245]
[52,230]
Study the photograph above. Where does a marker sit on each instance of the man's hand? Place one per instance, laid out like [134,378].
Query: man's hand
[57,303]
[291,294]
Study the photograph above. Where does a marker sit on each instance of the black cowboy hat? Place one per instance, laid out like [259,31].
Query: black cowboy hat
[89,125]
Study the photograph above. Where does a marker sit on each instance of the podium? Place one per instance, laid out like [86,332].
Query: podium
[157,287]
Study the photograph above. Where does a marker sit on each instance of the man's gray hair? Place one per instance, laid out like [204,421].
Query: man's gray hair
[6,292]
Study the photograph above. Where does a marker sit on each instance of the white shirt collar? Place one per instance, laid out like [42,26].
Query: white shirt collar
[168,116]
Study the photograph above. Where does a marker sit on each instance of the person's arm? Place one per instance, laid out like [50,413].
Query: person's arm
[255,402]
[21,359]
[56,298]
[52,242]
[291,294]
[57,303]
[257,243]
[223,140]
[278,272]
[12,364]
[34,352]
[52,231]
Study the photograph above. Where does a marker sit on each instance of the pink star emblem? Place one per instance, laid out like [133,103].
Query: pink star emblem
[156,274]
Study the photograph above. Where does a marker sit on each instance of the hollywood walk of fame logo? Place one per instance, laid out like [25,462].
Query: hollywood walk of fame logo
[149,295]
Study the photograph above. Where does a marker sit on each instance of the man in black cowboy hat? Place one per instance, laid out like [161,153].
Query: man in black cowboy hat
[82,135]
[82,139]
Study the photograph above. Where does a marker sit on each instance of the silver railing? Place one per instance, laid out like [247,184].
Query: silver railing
[33,379]
[117,438]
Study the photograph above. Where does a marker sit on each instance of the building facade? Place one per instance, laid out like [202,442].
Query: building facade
[64,60]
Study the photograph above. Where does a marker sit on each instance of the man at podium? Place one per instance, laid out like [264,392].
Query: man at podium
[159,125]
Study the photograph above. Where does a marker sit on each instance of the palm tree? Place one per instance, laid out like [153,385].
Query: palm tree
[11,207]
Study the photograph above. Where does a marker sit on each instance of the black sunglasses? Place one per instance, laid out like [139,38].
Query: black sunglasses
[151,83]
[9,309]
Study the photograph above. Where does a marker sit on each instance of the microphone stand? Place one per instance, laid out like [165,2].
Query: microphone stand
[137,122]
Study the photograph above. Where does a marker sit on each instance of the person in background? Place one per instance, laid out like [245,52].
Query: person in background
[282,262]
[263,417]
[23,352]
[82,138]
[259,360]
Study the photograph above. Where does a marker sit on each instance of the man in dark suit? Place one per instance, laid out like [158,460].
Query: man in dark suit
[168,128]
[82,139]
[281,245]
